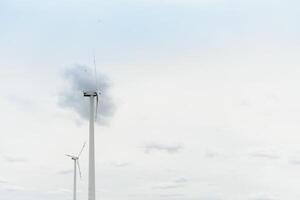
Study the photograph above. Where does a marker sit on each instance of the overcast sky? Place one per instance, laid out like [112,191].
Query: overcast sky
[206,98]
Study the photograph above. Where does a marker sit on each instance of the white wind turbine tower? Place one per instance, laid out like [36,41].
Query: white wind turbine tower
[92,95]
[76,164]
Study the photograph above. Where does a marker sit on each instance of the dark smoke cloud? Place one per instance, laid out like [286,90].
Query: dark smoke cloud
[82,78]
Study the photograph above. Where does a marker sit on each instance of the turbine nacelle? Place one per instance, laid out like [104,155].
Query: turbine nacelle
[90,94]
[73,157]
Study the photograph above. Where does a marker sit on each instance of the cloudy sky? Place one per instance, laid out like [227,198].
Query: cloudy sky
[205,94]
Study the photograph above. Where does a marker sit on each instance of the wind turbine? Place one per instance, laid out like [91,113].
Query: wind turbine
[92,95]
[76,164]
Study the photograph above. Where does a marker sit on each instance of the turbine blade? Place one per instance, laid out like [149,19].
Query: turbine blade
[95,71]
[97,103]
[96,83]
[69,155]
[78,165]
[81,149]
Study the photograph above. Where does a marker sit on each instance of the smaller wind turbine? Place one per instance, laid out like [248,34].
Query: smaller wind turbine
[76,164]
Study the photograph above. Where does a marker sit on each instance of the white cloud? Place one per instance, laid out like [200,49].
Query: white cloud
[169,148]
[64,172]
[265,155]
[12,159]
[3,181]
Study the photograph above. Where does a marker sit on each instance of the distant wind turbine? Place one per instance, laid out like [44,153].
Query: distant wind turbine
[76,164]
